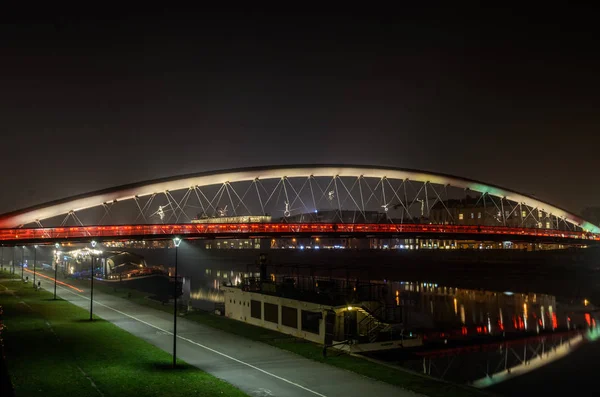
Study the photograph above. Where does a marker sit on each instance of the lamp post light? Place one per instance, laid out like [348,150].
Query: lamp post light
[92,281]
[34,262]
[176,242]
[57,246]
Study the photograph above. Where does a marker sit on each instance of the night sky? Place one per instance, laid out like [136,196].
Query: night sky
[96,100]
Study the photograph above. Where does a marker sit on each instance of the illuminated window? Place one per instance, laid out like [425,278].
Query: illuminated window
[540,225]
[547,225]
[479,215]
[524,214]
[540,214]
[472,215]
[461,217]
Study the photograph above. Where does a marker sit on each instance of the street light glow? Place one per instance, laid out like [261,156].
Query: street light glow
[177,241]
[94,243]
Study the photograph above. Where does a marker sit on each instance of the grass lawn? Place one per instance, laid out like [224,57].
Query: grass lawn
[52,350]
[384,373]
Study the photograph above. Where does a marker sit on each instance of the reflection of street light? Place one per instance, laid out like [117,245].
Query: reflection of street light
[57,246]
[176,241]
[34,262]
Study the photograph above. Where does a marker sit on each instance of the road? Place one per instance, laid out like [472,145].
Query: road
[256,368]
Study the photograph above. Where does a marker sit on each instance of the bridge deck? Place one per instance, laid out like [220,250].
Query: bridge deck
[258,230]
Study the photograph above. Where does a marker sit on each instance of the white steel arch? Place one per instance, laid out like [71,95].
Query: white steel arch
[126,192]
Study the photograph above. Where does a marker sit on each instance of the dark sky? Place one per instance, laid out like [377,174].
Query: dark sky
[509,97]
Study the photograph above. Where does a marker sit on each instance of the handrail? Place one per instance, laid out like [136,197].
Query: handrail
[258,229]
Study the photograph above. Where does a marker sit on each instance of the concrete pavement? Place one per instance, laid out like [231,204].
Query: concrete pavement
[256,368]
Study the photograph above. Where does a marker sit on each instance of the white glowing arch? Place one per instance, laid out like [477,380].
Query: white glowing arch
[77,203]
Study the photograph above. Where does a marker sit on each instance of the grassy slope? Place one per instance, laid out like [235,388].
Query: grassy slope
[52,349]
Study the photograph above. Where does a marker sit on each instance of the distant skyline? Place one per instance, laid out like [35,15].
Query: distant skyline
[505,97]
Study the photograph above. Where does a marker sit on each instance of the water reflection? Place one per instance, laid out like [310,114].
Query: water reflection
[422,306]
[432,306]
[209,295]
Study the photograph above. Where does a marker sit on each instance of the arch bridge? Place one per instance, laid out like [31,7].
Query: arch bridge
[300,200]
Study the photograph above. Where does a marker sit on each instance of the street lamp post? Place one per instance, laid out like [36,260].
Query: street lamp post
[22,262]
[57,246]
[34,262]
[13,266]
[176,241]
[92,283]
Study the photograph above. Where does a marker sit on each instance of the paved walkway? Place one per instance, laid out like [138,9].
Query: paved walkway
[256,368]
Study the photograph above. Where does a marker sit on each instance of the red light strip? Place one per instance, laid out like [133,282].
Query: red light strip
[281,228]
[52,279]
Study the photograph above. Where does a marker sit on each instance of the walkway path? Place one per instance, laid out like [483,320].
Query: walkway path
[256,368]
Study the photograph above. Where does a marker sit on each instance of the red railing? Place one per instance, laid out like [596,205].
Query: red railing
[261,229]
